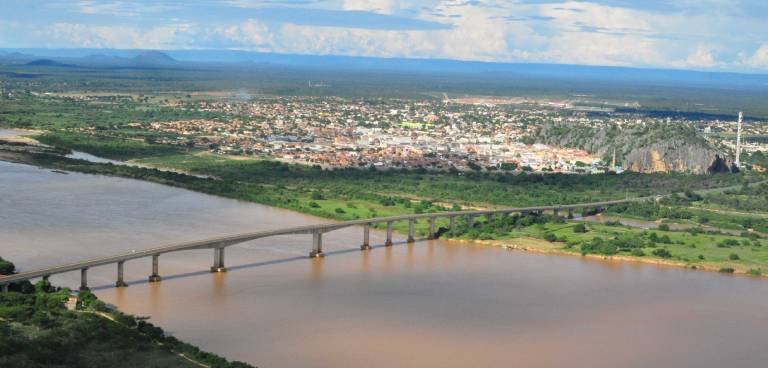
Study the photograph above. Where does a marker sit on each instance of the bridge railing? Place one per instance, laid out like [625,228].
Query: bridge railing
[218,244]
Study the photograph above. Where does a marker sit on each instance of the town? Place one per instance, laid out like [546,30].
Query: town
[387,134]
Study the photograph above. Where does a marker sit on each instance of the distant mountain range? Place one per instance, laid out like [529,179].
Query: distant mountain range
[185,59]
[144,59]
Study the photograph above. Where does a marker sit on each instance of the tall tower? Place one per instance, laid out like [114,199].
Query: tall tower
[738,139]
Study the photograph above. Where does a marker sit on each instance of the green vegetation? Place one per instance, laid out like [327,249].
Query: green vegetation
[693,249]
[107,147]
[37,330]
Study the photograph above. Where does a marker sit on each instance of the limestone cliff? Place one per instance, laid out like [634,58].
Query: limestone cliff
[640,146]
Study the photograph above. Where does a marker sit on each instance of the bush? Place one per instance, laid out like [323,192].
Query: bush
[662,252]
[6,268]
[485,236]
[727,270]
[733,257]
[339,210]
[755,272]
[317,196]
[580,228]
[550,237]
[637,252]
[664,227]
[727,243]
[314,204]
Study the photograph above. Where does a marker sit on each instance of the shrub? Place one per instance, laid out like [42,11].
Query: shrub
[701,256]
[662,252]
[727,270]
[6,268]
[314,204]
[317,196]
[755,272]
[339,210]
[733,257]
[550,237]
[580,228]
[637,252]
[664,227]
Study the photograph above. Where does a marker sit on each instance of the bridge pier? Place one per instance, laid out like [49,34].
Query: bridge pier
[411,230]
[84,279]
[317,245]
[120,282]
[388,243]
[556,212]
[471,221]
[366,237]
[155,276]
[5,288]
[452,222]
[570,213]
[489,217]
[432,232]
[218,260]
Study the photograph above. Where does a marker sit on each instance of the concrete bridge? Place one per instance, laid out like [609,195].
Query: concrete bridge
[219,244]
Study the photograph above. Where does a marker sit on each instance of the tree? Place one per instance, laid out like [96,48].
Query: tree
[580,228]
[6,268]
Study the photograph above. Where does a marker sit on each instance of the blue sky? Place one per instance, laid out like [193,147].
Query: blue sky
[727,35]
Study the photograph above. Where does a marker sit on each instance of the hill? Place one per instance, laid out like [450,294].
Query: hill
[640,147]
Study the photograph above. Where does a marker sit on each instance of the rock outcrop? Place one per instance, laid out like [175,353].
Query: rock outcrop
[676,156]
[642,147]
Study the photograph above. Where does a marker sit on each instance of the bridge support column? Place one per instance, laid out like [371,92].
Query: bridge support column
[452,222]
[432,231]
[366,237]
[556,212]
[120,282]
[411,230]
[84,279]
[5,288]
[489,217]
[570,213]
[471,221]
[155,276]
[317,245]
[388,243]
[218,260]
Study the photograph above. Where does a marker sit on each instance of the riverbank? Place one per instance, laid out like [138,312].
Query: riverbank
[325,203]
[42,325]
[541,246]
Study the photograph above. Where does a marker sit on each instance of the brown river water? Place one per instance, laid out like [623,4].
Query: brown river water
[432,304]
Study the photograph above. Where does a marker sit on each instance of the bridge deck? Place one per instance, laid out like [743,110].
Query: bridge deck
[225,241]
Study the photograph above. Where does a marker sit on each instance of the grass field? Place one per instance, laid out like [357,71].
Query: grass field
[694,250]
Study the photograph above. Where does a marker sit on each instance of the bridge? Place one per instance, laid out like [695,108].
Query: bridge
[219,244]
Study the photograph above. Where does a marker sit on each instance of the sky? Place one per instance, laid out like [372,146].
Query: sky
[718,35]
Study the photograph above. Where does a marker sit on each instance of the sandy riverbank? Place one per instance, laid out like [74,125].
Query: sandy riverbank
[541,246]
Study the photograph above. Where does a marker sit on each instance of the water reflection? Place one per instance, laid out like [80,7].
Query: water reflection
[434,303]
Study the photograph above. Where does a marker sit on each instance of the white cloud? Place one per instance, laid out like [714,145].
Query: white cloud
[576,32]
[119,8]
[701,57]
[376,6]
[80,35]
[250,32]
[760,58]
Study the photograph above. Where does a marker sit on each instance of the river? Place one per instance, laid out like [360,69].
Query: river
[432,304]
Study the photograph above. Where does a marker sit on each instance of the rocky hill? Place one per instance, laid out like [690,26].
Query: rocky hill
[640,146]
